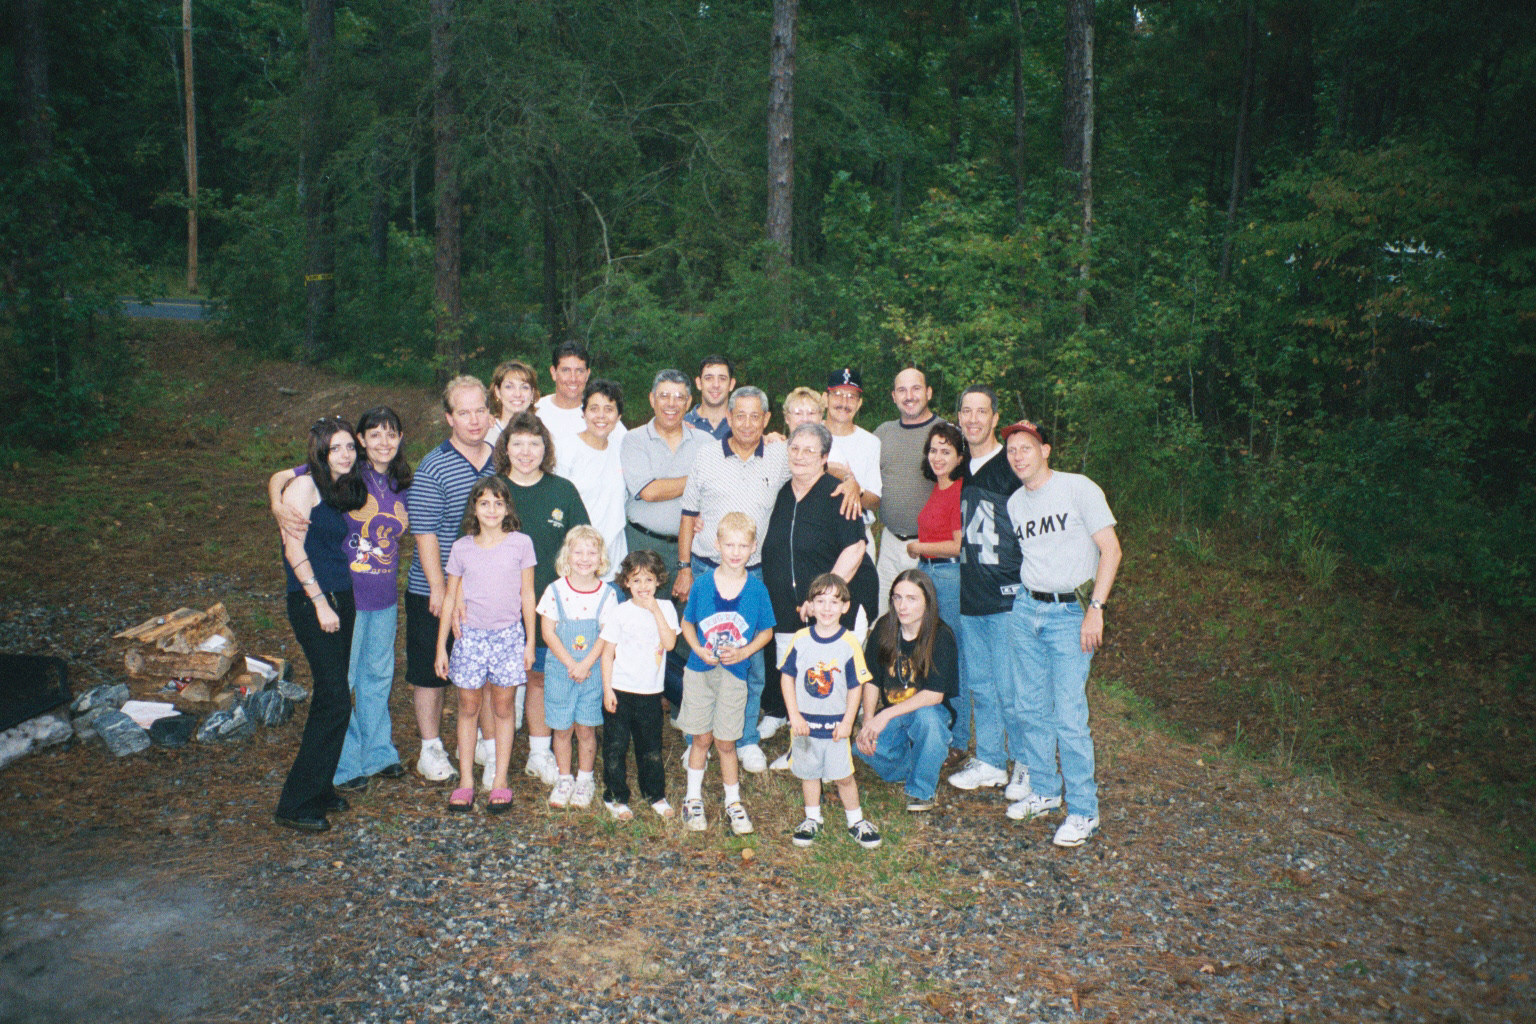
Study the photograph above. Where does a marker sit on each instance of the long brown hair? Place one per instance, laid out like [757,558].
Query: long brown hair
[887,630]
[525,422]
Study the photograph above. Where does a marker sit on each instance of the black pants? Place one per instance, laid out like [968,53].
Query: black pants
[638,716]
[330,706]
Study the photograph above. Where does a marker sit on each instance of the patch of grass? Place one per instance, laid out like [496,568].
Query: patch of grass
[1196,545]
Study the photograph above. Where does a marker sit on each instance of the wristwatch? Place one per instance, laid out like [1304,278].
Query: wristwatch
[1096,604]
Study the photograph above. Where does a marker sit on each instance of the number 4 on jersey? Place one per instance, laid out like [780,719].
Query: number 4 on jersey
[981,534]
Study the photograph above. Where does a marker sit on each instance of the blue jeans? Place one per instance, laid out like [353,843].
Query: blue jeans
[755,675]
[370,742]
[992,666]
[911,750]
[1053,699]
[946,583]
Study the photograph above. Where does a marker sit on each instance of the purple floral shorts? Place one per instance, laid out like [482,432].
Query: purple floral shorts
[488,655]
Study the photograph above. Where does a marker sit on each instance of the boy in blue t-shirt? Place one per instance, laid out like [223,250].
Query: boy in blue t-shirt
[728,619]
[822,672]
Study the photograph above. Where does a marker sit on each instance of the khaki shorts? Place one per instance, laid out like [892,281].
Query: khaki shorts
[714,701]
[820,757]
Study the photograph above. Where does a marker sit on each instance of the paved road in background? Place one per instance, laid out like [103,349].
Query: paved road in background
[166,309]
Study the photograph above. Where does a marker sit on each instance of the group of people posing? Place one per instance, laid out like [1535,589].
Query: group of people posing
[551,544]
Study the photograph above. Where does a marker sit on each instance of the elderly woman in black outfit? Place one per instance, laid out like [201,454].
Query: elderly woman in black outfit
[807,536]
[321,612]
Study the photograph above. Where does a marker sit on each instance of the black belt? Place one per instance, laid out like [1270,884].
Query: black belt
[1048,598]
[898,536]
[653,534]
[938,561]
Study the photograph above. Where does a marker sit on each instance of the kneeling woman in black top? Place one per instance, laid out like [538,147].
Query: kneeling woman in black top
[908,706]
[321,612]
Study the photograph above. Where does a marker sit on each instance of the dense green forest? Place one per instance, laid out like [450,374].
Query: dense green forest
[1267,265]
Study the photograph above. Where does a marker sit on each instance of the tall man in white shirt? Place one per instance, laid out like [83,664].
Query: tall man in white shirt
[855,451]
[560,410]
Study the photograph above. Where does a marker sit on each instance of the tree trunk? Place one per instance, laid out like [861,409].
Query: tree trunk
[551,228]
[1019,112]
[1240,144]
[378,207]
[448,325]
[317,139]
[32,79]
[1077,149]
[186,64]
[781,127]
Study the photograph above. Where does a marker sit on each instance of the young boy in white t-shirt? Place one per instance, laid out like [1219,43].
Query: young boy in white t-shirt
[637,636]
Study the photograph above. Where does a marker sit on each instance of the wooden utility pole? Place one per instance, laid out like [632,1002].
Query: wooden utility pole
[781,126]
[186,63]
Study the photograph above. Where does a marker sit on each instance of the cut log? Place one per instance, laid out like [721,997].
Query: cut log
[186,639]
[151,630]
[196,665]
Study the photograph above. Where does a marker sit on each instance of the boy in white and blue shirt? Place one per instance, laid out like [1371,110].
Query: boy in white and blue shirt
[822,674]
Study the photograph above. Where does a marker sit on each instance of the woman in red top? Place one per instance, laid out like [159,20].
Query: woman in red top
[946,461]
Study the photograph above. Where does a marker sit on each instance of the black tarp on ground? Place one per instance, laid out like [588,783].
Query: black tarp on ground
[30,684]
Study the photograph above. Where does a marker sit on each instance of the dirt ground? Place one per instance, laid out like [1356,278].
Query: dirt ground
[156,888]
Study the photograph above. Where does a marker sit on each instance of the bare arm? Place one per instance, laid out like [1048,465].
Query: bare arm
[798,726]
[684,582]
[432,566]
[663,489]
[1109,564]
[445,624]
[692,636]
[292,522]
[299,500]
[529,653]
[935,548]
[848,561]
[851,496]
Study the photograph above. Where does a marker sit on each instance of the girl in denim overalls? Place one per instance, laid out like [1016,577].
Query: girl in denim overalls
[569,614]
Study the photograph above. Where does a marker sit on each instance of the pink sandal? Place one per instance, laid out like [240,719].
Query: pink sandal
[499,802]
[461,800]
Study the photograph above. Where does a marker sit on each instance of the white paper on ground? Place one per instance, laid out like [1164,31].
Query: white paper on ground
[148,712]
[214,644]
[256,666]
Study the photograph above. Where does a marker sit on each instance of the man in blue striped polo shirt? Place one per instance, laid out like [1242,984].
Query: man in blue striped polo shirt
[439,494]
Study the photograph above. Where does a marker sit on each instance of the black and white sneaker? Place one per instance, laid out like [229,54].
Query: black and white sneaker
[865,834]
[806,834]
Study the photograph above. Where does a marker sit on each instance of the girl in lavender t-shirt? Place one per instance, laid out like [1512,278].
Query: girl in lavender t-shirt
[490,574]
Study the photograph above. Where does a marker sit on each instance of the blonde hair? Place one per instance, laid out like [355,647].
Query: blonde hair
[737,522]
[574,534]
[804,394]
[462,382]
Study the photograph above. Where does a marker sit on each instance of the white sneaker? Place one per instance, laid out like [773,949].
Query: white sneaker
[737,816]
[693,815]
[485,751]
[770,725]
[781,763]
[1076,830]
[1031,806]
[560,796]
[977,774]
[542,766]
[1018,782]
[585,790]
[433,764]
[752,758]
